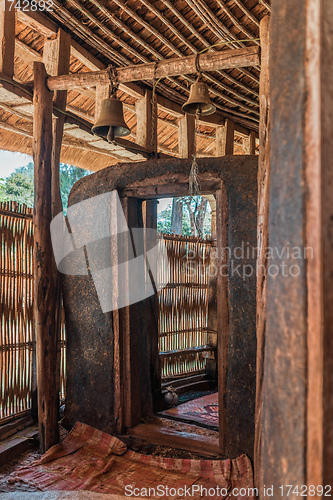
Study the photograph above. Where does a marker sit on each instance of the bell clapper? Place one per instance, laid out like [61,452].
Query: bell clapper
[110,136]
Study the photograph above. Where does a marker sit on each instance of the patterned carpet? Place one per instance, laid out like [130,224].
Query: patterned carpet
[88,459]
[204,411]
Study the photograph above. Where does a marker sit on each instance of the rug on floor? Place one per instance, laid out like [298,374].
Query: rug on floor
[89,459]
[204,410]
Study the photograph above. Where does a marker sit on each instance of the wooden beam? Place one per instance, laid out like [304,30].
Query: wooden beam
[26,53]
[249,144]
[38,22]
[225,59]
[146,129]
[224,142]
[44,280]
[186,133]
[7,37]
[262,231]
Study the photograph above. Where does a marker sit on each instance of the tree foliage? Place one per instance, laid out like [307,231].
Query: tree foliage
[19,186]
[196,217]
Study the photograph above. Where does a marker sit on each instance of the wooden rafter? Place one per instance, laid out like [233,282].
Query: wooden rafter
[170,67]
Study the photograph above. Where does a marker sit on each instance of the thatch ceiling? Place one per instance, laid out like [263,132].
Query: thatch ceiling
[126,32]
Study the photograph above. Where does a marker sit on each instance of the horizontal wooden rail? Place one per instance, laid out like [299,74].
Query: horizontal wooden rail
[225,59]
[192,350]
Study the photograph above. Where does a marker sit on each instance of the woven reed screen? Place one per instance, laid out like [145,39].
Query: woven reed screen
[17,344]
[183,306]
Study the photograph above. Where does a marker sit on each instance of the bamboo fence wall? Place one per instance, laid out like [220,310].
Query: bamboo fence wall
[17,343]
[183,307]
[183,310]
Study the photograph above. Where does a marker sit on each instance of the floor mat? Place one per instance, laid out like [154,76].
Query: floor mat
[203,411]
[88,459]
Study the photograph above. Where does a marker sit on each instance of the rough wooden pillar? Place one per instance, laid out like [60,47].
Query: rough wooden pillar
[319,210]
[44,279]
[7,37]
[236,223]
[297,437]
[146,131]
[249,142]
[186,133]
[262,228]
[56,58]
[224,141]
[137,395]
[150,221]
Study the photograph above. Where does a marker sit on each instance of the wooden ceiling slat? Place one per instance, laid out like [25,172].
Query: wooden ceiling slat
[214,91]
[249,14]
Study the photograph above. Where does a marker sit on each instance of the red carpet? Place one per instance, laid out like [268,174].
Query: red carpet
[203,410]
[88,459]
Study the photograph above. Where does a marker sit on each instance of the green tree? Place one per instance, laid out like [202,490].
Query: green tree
[19,186]
[164,218]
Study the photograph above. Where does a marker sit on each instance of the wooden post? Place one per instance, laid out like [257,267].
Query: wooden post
[131,333]
[249,142]
[262,231]
[319,210]
[44,280]
[146,128]
[117,340]
[224,141]
[186,133]
[297,430]
[222,307]
[102,92]
[7,37]
[56,58]
[150,221]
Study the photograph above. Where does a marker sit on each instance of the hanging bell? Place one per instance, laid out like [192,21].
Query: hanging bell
[199,101]
[111,122]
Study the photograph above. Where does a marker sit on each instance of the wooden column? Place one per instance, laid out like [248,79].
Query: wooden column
[137,395]
[186,133]
[56,58]
[146,129]
[297,435]
[7,37]
[262,228]
[102,92]
[319,209]
[150,221]
[44,280]
[224,141]
[249,142]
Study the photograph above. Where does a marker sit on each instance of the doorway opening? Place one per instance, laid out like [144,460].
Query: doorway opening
[187,332]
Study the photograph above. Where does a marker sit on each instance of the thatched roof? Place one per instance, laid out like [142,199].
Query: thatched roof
[127,32]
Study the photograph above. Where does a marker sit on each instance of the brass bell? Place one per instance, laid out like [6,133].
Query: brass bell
[199,101]
[111,122]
